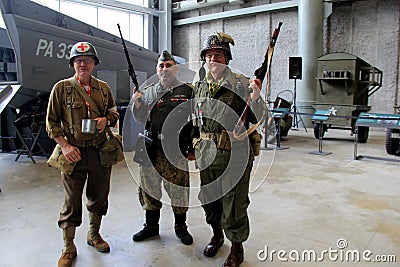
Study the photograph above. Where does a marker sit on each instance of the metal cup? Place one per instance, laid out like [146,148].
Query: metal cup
[89,126]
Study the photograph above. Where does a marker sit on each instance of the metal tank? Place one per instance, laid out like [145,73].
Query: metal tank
[344,84]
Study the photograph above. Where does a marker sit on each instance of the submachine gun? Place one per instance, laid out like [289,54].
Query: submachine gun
[131,70]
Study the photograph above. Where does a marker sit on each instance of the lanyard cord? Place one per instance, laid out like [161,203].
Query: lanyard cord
[89,92]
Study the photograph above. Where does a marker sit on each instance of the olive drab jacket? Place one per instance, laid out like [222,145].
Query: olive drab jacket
[166,113]
[67,108]
[221,111]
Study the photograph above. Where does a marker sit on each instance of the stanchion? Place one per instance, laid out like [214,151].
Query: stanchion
[277,114]
[321,116]
[295,111]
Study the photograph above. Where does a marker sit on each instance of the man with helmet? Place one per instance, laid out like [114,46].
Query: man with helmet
[82,97]
[225,160]
[165,108]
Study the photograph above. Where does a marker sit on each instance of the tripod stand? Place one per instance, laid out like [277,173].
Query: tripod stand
[296,116]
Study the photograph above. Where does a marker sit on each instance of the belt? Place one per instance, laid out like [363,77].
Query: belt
[210,136]
[88,143]
[161,136]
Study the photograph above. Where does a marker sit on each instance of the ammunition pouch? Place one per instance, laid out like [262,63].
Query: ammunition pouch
[110,151]
[222,140]
[255,142]
[59,161]
[141,156]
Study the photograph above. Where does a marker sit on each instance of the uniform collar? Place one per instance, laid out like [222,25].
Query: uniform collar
[174,84]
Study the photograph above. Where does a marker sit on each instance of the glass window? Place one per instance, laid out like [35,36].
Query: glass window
[132,24]
[136,29]
[53,4]
[84,13]
[108,19]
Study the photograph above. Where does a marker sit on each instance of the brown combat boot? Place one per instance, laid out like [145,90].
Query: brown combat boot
[94,238]
[69,250]
[216,241]
[236,257]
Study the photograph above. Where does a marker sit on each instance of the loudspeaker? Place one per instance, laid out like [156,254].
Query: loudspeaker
[295,67]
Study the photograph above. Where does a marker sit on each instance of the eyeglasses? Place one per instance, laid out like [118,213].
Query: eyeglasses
[85,60]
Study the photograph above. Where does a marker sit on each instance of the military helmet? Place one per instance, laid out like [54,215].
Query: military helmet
[165,55]
[83,49]
[219,40]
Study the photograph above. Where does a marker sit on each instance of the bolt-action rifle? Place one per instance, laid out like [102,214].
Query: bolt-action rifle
[131,70]
[264,69]
[260,73]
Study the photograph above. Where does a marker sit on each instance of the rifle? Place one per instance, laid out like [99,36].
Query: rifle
[131,70]
[260,74]
[264,69]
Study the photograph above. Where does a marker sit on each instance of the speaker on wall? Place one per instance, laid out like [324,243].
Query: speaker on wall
[295,68]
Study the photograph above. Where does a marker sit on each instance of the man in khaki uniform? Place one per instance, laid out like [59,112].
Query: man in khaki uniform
[164,108]
[67,107]
[224,98]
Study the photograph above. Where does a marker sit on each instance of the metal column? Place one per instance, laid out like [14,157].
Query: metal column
[310,15]
[165,26]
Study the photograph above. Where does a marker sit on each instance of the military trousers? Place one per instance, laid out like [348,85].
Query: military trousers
[97,178]
[174,175]
[224,198]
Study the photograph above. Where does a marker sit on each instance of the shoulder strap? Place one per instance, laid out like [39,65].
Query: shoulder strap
[83,93]
[68,88]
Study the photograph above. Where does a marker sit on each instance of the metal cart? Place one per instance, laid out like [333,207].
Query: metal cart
[344,84]
[392,142]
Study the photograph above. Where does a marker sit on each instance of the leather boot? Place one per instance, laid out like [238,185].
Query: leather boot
[69,251]
[181,229]
[94,238]
[216,241]
[236,257]
[151,228]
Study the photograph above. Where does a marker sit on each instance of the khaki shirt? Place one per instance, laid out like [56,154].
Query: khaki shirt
[66,104]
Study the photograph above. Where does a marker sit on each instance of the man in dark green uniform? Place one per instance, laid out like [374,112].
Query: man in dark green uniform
[225,160]
[164,109]
[67,107]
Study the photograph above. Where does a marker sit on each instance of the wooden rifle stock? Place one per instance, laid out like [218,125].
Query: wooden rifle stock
[261,72]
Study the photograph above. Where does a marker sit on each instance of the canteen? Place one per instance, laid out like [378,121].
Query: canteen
[89,126]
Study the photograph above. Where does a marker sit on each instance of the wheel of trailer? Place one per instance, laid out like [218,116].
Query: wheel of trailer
[392,144]
[316,130]
[362,134]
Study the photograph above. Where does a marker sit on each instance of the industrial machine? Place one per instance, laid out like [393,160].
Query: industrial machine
[344,84]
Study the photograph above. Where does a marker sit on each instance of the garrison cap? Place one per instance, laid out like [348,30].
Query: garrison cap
[165,55]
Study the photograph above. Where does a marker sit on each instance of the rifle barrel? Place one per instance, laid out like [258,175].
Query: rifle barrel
[131,70]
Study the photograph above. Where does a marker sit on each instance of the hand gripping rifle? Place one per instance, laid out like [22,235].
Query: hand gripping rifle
[260,73]
[131,70]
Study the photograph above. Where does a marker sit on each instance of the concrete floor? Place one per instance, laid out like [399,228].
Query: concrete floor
[300,203]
